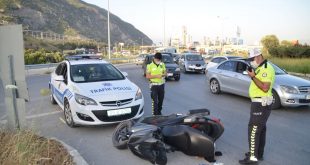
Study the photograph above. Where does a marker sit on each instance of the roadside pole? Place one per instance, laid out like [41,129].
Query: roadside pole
[12,74]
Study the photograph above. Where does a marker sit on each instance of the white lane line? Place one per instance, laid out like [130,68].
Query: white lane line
[34,116]
[42,115]
[62,120]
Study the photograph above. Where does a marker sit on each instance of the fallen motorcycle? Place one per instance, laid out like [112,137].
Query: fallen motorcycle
[151,138]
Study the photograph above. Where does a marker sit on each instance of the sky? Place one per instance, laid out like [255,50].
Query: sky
[159,19]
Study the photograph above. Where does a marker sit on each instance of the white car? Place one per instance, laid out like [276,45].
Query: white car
[94,92]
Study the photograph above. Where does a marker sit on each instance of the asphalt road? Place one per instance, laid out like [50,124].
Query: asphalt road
[287,129]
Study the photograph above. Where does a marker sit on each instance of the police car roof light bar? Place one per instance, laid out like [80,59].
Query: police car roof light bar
[83,57]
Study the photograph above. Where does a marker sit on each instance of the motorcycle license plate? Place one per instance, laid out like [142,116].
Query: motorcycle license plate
[119,112]
[169,74]
[308,97]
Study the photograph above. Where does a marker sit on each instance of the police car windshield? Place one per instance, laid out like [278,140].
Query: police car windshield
[194,58]
[94,73]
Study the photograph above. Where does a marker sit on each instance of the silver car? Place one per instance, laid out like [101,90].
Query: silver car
[140,59]
[190,62]
[218,59]
[230,76]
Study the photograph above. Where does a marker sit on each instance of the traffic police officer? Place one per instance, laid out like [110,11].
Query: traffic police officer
[260,91]
[156,73]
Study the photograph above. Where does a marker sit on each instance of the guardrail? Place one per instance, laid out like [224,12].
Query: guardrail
[51,65]
[40,66]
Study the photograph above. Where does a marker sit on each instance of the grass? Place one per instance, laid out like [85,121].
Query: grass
[297,65]
[25,147]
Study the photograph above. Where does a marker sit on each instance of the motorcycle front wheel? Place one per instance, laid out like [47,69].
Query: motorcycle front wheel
[121,134]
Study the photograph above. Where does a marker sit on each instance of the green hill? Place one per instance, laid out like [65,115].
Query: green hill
[70,17]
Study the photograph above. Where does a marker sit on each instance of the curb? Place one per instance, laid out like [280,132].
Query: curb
[77,158]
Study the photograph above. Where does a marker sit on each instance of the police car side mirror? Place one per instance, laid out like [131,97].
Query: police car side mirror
[59,78]
[125,74]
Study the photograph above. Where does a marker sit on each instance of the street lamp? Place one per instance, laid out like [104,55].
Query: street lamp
[109,40]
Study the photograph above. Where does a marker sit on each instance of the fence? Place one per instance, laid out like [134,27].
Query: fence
[52,65]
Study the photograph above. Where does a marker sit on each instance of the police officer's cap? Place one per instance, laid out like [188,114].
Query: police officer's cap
[158,56]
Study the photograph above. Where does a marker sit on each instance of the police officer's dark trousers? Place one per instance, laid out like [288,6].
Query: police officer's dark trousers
[257,128]
[157,95]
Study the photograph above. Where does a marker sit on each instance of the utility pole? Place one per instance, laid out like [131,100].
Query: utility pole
[164,22]
[109,40]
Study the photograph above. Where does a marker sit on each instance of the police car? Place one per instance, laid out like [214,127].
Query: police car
[92,91]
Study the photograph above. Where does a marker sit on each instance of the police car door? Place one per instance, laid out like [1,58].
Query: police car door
[63,85]
[55,83]
[60,87]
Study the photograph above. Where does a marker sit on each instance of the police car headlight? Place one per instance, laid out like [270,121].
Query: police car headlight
[83,100]
[138,94]
[289,89]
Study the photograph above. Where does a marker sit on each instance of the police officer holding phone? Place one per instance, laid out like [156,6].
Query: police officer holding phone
[156,73]
[260,91]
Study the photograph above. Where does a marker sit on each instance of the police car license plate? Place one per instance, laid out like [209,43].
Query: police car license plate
[119,112]
[169,74]
[308,97]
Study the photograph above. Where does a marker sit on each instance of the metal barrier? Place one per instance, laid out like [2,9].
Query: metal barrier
[51,65]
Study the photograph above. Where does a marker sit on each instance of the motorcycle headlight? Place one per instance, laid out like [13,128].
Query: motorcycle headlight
[83,100]
[138,94]
[289,89]
[177,69]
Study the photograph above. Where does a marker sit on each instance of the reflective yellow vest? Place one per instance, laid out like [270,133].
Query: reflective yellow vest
[265,73]
[155,69]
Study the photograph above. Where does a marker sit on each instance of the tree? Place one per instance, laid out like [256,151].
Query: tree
[270,41]
[286,43]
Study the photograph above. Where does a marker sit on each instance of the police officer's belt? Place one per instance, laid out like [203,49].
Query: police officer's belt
[156,83]
[256,99]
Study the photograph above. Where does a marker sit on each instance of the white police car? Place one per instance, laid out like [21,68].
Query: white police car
[92,91]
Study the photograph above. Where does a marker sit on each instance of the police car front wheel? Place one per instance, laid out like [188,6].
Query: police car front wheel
[68,115]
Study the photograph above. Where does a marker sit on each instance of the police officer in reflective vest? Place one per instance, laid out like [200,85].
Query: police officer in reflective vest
[156,73]
[260,91]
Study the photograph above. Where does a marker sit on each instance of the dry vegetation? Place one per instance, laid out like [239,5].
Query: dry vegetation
[24,148]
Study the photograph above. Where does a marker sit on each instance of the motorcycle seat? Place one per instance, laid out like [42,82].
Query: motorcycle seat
[163,120]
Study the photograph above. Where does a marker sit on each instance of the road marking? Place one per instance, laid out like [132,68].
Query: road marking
[42,115]
[33,116]
[62,120]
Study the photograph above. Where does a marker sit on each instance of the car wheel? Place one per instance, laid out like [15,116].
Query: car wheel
[276,100]
[68,115]
[177,78]
[215,86]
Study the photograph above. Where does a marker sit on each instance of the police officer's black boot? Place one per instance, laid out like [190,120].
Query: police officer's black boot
[249,160]
[260,157]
